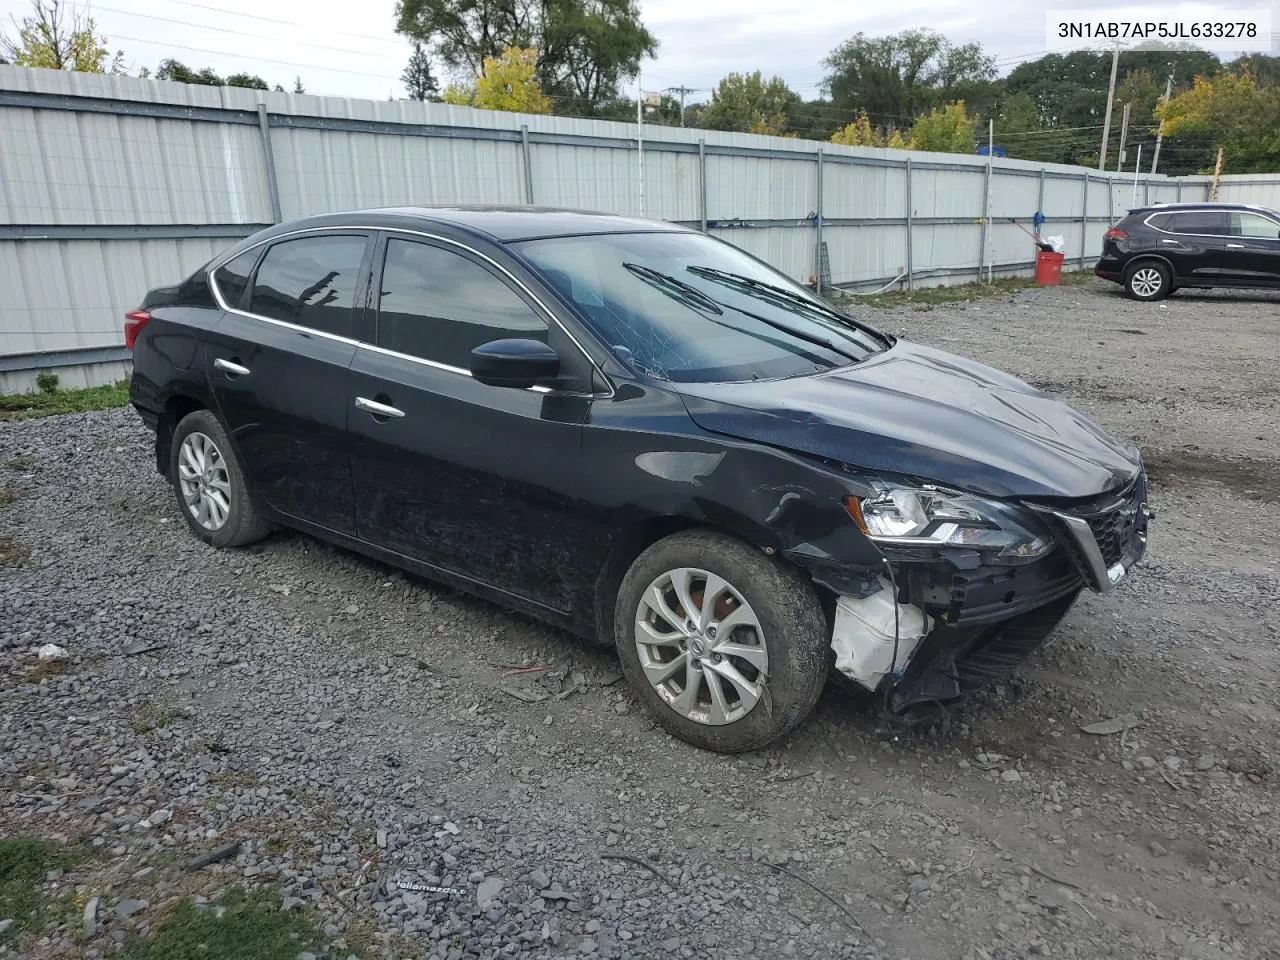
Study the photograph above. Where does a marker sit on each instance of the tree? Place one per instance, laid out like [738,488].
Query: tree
[297,85]
[896,78]
[586,48]
[948,129]
[747,103]
[56,36]
[417,79]
[1232,112]
[860,133]
[1262,67]
[179,72]
[508,82]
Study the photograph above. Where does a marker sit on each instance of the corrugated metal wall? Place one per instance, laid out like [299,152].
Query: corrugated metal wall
[112,185]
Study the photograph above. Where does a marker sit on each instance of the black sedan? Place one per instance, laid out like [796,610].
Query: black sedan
[1155,250]
[642,435]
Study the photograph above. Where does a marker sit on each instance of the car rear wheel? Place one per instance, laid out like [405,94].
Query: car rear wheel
[1148,280]
[210,484]
[727,649]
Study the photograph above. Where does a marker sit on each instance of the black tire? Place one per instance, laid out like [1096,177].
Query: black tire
[244,522]
[1140,279]
[790,618]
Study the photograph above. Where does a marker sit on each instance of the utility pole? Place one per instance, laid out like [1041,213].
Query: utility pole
[1168,92]
[683,91]
[1124,134]
[1217,176]
[640,138]
[1111,98]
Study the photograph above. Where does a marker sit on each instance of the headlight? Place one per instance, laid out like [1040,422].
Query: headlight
[926,517]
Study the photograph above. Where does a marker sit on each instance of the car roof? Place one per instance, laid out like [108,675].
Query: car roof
[1201,205]
[503,223]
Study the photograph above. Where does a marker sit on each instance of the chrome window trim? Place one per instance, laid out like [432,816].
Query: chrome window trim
[217,265]
[1211,236]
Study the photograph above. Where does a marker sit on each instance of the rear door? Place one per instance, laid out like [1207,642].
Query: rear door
[1252,257]
[1194,241]
[279,362]
[473,479]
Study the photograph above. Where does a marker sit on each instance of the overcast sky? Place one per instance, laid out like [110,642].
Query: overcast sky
[345,48]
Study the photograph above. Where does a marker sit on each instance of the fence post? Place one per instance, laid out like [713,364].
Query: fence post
[1084,219]
[1178,196]
[1040,194]
[986,217]
[702,183]
[817,249]
[528,163]
[273,187]
[910,226]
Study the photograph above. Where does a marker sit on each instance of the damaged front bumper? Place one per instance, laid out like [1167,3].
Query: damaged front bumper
[943,624]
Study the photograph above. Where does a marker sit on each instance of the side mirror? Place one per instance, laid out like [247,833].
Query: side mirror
[514,363]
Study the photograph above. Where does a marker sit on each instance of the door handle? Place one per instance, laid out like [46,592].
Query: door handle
[377,409]
[1174,242]
[229,368]
[1235,246]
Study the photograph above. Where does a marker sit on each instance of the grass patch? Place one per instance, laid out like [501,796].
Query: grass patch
[7,496]
[47,669]
[239,925]
[21,463]
[24,861]
[48,403]
[153,716]
[12,553]
[930,297]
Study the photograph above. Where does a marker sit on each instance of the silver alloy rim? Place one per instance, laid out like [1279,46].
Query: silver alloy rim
[701,646]
[1147,282]
[202,475]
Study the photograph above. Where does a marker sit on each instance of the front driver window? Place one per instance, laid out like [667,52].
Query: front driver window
[437,305]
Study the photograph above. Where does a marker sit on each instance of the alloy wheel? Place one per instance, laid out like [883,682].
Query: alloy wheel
[701,646]
[1146,281]
[205,483]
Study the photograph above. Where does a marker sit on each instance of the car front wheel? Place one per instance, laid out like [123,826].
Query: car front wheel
[210,484]
[726,647]
[1148,280]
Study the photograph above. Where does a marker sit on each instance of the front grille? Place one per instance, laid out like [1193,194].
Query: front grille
[1114,532]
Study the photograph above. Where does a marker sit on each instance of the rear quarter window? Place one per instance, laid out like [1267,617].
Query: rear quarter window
[233,276]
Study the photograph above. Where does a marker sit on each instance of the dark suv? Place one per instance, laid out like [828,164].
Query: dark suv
[1155,250]
[645,436]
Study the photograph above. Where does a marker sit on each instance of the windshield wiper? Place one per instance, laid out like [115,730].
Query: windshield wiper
[670,282]
[779,293]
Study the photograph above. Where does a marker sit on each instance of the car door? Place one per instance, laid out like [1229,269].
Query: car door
[1252,257]
[278,363]
[1194,241]
[472,479]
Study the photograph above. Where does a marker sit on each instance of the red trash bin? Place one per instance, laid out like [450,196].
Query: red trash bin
[1049,268]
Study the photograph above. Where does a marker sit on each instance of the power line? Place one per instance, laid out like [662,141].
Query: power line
[245,56]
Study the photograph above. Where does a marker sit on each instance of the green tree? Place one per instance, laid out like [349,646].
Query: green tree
[1232,112]
[508,82]
[179,72]
[948,129]
[894,79]
[417,78]
[1261,66]
[747,103]
[860,133]
[56,36]
[586,48]
[297,85]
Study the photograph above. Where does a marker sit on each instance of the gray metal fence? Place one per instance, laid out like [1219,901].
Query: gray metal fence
[112,185]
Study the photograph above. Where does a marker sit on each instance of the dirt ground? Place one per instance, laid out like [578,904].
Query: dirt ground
[1014,834]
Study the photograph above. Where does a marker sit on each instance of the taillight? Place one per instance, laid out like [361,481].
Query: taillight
[134,322]
[1115,233]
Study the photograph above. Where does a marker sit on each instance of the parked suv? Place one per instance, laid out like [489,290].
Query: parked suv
[645,436]
[1155,250]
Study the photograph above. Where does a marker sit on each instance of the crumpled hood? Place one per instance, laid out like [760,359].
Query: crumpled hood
[926,413]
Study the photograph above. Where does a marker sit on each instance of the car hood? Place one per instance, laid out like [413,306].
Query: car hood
[919,412]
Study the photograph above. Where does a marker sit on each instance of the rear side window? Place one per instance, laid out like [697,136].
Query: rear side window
[438,305]
[1253,225]
[1202,222]
[311,282]
[233,276]
[1160,221]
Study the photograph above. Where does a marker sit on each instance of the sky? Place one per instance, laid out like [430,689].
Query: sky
[345,48]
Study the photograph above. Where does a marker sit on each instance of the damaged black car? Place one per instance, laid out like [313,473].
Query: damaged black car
[642,435]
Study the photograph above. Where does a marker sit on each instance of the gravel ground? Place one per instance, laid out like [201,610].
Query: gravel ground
[349,725]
